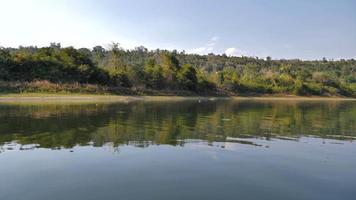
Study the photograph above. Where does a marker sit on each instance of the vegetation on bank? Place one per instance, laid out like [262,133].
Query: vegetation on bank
[55,69]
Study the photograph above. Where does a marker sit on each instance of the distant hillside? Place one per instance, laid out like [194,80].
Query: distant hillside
[161,70]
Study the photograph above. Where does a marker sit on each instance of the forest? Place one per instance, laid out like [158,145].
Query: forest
[56,69]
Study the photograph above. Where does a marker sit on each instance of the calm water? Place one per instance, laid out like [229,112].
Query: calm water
[222,149]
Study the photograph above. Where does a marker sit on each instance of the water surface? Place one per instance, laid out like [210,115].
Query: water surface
[194,149]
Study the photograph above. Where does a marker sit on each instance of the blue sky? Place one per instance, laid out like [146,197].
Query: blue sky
[306,29]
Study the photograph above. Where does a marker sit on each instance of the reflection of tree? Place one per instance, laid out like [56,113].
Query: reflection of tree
[143,123]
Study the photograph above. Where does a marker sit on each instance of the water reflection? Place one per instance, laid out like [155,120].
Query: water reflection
[144,123]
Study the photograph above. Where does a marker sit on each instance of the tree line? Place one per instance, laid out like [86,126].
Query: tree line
[172,70]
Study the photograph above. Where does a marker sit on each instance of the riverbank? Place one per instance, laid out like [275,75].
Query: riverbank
[46,88]
[40,97]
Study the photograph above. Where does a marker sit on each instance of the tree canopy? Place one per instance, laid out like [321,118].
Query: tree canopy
[172,70]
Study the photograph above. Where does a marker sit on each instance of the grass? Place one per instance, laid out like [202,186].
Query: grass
[43,91]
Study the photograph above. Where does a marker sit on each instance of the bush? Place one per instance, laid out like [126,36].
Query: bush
[252,87]
[154,76]
[119,78]
[187,78]
[313,89]
[44,86]
[299,88]
[204,85]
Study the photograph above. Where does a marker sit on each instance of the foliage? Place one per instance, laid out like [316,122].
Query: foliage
[172,70]
[187,77]
[154,75]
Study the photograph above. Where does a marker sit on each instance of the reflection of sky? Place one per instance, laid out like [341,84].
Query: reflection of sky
[196,169]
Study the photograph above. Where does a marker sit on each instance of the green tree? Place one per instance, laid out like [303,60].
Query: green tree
[154,76]
[5,64]
[119,78]
[187,77]
[115,60]
[170,67]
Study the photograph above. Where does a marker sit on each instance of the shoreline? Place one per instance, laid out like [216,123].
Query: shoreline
[92,98]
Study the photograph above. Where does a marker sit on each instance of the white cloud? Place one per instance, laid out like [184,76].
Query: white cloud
[232,51]
[201,50]
[206,49]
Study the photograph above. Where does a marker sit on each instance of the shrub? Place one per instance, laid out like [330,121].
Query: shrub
[187,78]
[119,78]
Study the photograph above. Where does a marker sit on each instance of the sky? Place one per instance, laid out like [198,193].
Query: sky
[304,29]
